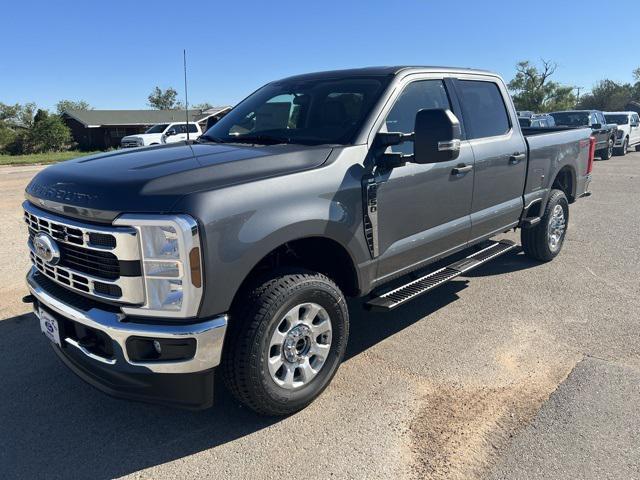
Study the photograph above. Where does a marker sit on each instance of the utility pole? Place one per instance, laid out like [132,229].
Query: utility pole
[186,98]
[578,95]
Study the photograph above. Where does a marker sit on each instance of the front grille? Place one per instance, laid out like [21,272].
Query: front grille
[99,261]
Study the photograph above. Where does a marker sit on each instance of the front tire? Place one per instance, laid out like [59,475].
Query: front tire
[622,151]
[287,337]
[544,241]
[607,153]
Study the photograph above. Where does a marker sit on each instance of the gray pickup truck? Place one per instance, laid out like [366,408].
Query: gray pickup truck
[155,267]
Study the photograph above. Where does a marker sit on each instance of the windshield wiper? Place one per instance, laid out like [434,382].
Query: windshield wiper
[261,139]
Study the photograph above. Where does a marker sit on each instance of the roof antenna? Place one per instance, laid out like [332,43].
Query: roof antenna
[186,98]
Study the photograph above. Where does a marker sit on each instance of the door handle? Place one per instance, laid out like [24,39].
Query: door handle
[459,170]
[516,158]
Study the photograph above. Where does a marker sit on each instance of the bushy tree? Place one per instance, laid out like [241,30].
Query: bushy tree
[64,105]
[49,133]
[164,99]
[533,90]
[608,96]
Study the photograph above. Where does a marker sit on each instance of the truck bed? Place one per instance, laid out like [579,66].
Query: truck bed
[550,147]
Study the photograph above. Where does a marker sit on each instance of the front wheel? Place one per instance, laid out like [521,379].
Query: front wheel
[544,241]
[622,151]
[607,153]
[287,338]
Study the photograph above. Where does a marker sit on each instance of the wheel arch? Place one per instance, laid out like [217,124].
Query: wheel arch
[565,180]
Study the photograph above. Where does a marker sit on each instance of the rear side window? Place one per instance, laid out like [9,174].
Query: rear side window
[193,128]
[483,109]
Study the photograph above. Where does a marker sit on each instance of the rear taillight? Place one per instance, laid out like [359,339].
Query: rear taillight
[592,153]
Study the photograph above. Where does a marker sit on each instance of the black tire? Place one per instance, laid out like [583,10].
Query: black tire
[622,151]
[607,153]
[259,311]
[536,241]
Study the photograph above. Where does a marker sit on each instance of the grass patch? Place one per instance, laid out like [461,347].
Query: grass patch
[36,158]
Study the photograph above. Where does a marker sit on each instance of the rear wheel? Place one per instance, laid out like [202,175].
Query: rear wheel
[544,241]
[287,339]
[607,153]
[622,151]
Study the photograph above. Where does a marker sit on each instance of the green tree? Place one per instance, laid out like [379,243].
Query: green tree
[49,134]
[636,74]
[164,99]
[533,90]
[64,105]
[608,96]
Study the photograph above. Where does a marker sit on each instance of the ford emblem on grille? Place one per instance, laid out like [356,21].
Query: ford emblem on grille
[46,248]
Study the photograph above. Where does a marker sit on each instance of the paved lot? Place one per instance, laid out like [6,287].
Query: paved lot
[520,370]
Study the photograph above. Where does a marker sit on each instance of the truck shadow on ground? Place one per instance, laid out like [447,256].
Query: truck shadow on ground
[53,424]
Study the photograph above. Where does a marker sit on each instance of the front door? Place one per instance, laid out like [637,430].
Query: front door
[500,157]
[422,210]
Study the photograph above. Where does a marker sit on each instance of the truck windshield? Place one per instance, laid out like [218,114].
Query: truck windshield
[619,119]
[312,112]
[571,119]
[158,128]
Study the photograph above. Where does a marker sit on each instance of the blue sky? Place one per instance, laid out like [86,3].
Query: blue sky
[113,53]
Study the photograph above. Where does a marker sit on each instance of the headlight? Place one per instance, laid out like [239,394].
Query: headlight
[171,264]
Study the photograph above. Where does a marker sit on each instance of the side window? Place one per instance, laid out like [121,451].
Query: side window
[593,119]
[192,128]
[180,128]
[416,96]
[601,118]
[483,108]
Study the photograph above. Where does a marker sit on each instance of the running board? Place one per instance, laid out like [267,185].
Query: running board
[400,295]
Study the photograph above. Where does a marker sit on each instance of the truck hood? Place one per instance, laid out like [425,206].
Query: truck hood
[151,180]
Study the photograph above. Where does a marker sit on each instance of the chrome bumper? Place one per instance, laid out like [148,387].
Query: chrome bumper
[209,335]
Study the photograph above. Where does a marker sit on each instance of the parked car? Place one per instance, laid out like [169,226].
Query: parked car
[153,267]
[604,133]
[628,135]
[537,121]
[162,133]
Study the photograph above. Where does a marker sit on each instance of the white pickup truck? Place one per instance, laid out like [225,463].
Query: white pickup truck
[628,134]
[162,133]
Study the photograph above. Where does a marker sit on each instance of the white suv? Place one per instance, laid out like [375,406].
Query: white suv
[628,135]
[162,133]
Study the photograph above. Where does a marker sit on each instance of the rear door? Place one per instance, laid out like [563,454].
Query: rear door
[500,154]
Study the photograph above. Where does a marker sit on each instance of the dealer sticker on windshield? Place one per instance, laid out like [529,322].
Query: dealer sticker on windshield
[49,326]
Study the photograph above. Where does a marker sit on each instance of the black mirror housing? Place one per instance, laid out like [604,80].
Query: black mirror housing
[596,126]
[436,136]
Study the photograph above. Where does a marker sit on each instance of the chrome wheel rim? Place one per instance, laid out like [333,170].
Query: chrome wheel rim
[557,227]
[299,346]
[610,149]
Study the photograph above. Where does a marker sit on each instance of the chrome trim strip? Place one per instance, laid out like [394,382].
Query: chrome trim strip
[97,358]
[209,335]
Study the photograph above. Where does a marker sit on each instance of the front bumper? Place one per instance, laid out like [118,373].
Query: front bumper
[187,383]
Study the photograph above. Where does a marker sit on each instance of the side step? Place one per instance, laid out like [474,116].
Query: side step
[400,295]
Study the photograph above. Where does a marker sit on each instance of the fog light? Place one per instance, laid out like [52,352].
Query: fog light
[141,349]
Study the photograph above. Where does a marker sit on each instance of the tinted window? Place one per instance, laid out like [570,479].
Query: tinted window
[485,114]
[192,128]
[619,119]
[416,96]
[180,128]
[571,119]
[158,128]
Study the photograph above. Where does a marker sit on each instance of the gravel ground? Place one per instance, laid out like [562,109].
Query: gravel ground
[470,381]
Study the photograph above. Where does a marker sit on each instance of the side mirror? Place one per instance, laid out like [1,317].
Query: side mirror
[171,131]
[436,136]
[596,126]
